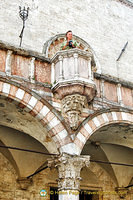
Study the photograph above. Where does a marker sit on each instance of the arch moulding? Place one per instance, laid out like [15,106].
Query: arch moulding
[40,109]
[96,122]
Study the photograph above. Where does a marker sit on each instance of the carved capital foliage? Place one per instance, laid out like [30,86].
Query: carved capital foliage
[69,168]
[72,106]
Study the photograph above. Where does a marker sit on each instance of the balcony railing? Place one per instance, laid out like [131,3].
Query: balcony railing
[70,65]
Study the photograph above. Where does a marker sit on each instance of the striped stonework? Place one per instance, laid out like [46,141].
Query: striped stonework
[99,121]
[38,109]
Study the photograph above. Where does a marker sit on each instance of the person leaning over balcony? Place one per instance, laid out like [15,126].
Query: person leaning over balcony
[69,43]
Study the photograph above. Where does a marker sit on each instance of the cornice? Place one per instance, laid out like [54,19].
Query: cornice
[23,52]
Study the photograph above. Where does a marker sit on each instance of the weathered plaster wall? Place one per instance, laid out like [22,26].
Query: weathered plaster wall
[104,24]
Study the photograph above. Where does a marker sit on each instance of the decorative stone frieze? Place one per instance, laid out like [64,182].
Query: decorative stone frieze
[69,168]
[72,106]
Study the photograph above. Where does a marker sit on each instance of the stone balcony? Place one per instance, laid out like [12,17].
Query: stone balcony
[72,78]
[72,74]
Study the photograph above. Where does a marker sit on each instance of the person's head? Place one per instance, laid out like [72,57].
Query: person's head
[69,35]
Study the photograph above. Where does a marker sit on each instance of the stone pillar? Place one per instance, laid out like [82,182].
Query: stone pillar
[69,167]
[89,69]
[119,94]
[61,77]
[8,63]
[102,89]
[52,73]
[32,70]
[76,75]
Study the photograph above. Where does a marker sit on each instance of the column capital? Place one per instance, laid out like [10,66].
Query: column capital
[69,167]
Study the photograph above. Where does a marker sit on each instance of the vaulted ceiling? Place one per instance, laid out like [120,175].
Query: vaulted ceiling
[113,143]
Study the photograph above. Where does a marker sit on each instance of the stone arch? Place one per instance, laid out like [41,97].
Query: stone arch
[98,121]
[39,108]
[52,46]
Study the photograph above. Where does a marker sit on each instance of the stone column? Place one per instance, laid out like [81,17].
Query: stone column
[61,77]
[8,63]
[69,167]
[119,95]
[89,69]
[32,70]
[52,73]
[76,75]
[102,89]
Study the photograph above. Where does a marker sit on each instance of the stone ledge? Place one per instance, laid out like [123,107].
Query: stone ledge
[24,183]
[16,79]
[23,52]
[107,102]
[82,53]
[114,80]
[64,88]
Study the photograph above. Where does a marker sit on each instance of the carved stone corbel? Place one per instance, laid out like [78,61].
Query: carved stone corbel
[122,192]
[24,183]
[72,106]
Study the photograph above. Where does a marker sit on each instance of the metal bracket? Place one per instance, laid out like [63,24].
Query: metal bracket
[122,51]
[23,13]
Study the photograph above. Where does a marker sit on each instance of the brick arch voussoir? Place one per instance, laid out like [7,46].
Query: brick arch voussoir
[38,108]
[98,121]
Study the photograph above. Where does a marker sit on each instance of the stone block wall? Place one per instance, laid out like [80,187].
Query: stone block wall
[11,190]
[104,24]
